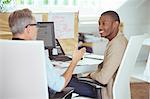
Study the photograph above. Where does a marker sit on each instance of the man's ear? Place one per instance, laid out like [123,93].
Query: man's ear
[117,23]
[28,29]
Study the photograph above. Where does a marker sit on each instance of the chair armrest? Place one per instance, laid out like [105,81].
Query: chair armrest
[66,93]
[92,82]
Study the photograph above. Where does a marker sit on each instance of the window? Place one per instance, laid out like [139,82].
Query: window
[88,9]
[93,6]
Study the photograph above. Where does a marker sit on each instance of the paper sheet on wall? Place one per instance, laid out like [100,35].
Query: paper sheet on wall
[38,17]
[63,24]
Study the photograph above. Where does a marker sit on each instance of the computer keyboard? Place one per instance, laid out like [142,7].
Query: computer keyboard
[60,58]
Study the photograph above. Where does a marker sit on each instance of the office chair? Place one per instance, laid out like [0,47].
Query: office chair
[121,86]
[66,93]
[22,71]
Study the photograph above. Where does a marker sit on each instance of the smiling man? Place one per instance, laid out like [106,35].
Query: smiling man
[109,22]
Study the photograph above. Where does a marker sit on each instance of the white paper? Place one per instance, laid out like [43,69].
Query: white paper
[55,52]
[94,56]
[38,17]
[88,61]
[63,24]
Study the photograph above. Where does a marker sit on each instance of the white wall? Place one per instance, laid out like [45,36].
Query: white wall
[148,12]
[135,15]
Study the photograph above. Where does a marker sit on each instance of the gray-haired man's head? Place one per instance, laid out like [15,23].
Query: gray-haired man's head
[19,19]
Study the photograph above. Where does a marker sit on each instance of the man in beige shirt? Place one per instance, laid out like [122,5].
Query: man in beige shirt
[109,22]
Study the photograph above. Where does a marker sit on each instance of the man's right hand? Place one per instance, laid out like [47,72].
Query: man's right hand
[78,54]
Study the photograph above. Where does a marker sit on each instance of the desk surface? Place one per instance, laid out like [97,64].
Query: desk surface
[84,62]
[85,65]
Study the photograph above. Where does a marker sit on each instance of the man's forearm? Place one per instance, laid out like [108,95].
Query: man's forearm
[68,74]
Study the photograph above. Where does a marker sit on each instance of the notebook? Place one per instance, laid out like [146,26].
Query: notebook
[22,70]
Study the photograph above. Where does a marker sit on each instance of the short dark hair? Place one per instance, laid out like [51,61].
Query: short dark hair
[113,14]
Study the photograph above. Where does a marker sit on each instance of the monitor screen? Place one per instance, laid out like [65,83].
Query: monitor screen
[46,33]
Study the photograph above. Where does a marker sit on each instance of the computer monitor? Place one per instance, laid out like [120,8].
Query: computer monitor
[46,33]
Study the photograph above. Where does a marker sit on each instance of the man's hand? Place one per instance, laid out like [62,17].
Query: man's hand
[78,54]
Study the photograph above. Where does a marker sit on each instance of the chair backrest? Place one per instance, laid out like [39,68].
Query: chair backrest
[22,70]
[121,87]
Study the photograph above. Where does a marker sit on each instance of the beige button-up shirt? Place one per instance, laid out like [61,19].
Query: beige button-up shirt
[106,71]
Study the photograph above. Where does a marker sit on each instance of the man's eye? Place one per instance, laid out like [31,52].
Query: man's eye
[102,23]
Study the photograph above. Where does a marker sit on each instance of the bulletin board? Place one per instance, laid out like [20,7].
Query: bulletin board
[72,43]
[4,22]
[4,27]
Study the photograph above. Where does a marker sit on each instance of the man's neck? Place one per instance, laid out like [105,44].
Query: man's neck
[21,36]
[17,38]
[113,35]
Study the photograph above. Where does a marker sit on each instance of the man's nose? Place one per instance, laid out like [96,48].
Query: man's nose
[100,29]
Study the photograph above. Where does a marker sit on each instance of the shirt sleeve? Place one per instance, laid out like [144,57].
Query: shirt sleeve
[55,80]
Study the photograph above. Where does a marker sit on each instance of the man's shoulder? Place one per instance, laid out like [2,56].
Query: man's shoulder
[120,39]
[119,42]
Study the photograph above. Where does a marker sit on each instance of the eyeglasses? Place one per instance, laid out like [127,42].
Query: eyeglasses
[30,25]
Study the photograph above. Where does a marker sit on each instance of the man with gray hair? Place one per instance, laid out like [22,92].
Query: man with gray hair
[23,27]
